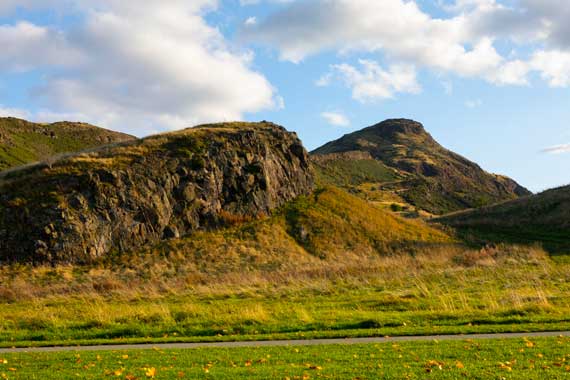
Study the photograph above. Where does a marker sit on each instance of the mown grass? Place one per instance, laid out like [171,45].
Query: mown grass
[543,358]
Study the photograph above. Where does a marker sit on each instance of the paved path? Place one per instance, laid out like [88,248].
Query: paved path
[273,343]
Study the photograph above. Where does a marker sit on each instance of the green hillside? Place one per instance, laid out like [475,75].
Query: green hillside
[23,142]
[543,218]
[431,177]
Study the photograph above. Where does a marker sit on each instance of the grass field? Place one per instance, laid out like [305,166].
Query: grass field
[544,358]
[449,291]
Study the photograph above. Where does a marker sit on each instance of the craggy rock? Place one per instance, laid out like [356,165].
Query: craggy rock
[127,197]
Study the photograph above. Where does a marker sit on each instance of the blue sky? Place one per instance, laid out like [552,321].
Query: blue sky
[489,79]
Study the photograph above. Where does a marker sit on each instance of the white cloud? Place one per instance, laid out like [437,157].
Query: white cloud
[554,66]
[307,28]
[557,149]
[461,44]
[511,73]
[26,46]
[373,82]
[337,119]
[250,21]
[324,80]
[474,103]
[13,112]
[140,69]
[255,2]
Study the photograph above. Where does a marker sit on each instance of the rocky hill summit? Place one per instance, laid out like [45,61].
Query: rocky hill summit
[23,142]
[431,177]
[137,193]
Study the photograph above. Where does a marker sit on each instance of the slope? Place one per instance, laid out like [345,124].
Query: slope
[329,226]
[23,142]
[543,218]
[427,175]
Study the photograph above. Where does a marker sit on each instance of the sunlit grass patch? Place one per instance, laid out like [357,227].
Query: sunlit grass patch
[540,358]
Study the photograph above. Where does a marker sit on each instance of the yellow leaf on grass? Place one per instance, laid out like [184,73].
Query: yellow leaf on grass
[248,363]
[118,372]
[150,372]
[459,365]
[505,367]
[3,361]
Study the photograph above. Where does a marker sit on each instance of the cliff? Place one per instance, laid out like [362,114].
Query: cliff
[138,193]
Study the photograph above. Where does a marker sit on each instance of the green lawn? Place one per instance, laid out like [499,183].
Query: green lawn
[545,358]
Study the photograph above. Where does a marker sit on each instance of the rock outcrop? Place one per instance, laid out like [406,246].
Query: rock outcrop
[134,195]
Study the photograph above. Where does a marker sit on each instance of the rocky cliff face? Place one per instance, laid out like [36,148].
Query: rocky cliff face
[127,197]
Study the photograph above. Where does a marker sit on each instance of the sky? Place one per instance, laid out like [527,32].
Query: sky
[489,79]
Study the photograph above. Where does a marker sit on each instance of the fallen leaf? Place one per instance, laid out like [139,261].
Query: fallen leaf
[150,372]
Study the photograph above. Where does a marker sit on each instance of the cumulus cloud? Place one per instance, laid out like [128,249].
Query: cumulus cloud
[371,82]
[336,119]
[462,44]
[396,27]
[557,149]
[554,66]
[26,46]
[141,68]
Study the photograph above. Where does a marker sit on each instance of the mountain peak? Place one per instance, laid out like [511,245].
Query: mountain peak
[404,126]
[435,179]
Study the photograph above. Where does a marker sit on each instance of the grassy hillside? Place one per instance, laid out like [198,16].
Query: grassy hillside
[330,225]
[433,178]
[543,218]
[22,142]
[352,169]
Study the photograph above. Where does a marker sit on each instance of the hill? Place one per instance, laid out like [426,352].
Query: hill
[543,218]
[403,159]
[23,142]
[124,197]
[320,230]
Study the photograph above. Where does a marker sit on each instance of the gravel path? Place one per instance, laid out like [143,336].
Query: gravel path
[273,343]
